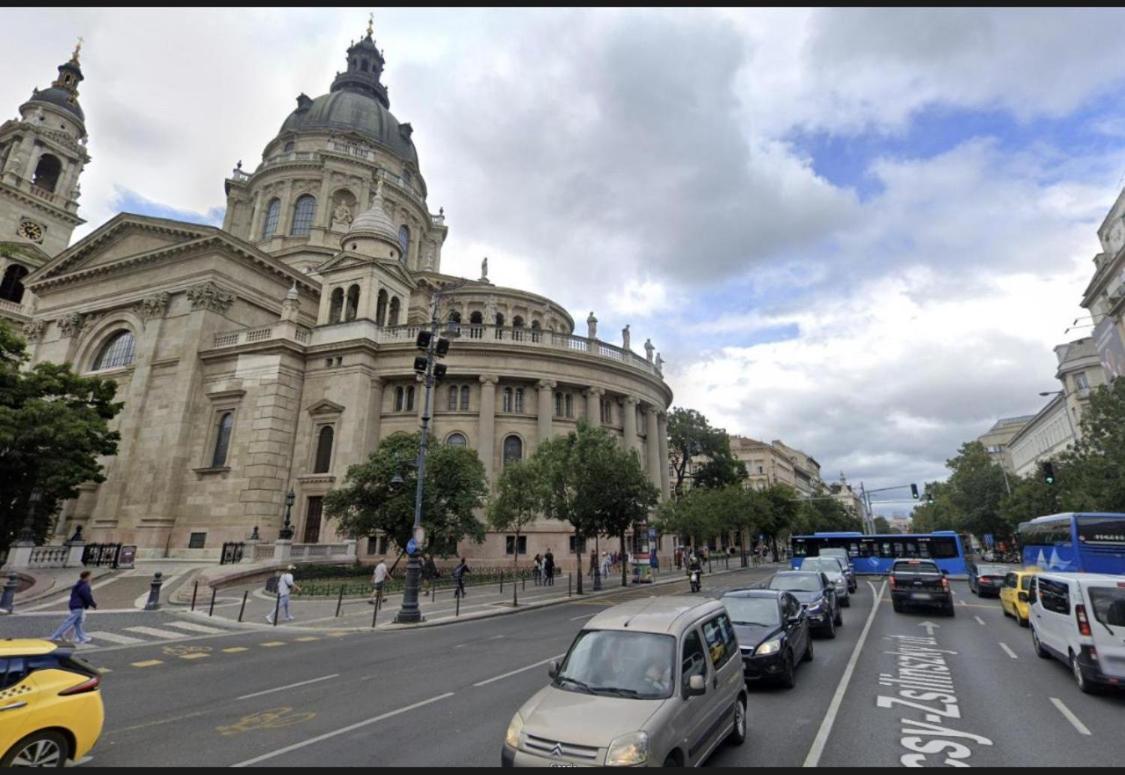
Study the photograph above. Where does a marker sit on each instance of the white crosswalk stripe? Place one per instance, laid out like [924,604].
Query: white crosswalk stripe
[157,633]
[193,627]
[123,640]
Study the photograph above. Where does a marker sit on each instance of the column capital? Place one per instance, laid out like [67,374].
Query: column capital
[377,382]
[631,401]
[595,391]
[488,379]
[547,384]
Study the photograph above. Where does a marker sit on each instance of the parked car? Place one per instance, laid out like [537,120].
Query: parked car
[816,594]
[1013,595]
[50,704]
[920,582]
[773,633]
[830,566]
[1079,619]
[647,682]
[849,569]
[986,580]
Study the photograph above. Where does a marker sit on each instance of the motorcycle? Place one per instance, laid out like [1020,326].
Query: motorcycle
[695,585]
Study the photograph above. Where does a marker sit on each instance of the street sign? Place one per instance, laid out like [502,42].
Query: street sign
[411,547]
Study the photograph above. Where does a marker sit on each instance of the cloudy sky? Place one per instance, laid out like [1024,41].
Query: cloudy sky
[857,231]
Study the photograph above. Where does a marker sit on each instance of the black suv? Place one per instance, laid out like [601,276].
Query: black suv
[816,594]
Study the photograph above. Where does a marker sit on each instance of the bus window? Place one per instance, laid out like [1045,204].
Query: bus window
[924,549]
[898,549]
[943,548]
[885,550]
[853,550]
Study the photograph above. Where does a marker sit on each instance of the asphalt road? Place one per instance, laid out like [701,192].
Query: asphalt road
[443,696]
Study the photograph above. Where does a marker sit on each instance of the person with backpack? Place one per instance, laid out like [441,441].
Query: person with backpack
[549,568]
[81,598]
[459,576]
[429,573]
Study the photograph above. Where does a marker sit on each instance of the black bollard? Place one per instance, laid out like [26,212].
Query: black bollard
[569,579]
[194,592]
[153,603]
[8,599]
[211,610]
[340,600]
[458,598]
[501,582]
[276,609]
[523,582]
[378,603]
[243,608]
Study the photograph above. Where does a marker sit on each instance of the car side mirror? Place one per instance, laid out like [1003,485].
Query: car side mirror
[553,668]
[1031,595]
[944,572]
[1023,597]
[696,685]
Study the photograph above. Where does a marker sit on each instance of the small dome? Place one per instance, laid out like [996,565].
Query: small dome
[347,110]
[374,223]
[60,98]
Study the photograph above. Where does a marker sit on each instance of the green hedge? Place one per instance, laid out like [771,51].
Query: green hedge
[329,586]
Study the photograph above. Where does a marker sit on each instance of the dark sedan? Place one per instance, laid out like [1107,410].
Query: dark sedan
[773,633]
[987,580]
[816,594]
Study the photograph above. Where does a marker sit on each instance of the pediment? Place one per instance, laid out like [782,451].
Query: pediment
[324,406]
[343,261]
[387,267]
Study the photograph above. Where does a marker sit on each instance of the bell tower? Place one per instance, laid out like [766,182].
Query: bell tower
[42,155]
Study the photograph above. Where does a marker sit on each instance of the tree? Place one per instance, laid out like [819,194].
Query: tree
[825,514]
[976,489]
[54,425]
[690,435]
[703,513]
[882,526]
[516,503]
[622,495]
[1031,497]
[1092,474]
[939,515]
[454,488]
[780,511]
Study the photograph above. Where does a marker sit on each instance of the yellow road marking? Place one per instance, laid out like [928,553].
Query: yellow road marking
[272,644]
[103,670]
[194,656]
[337,634]
[266,719]
[148,663]
[235,650]
[306,639]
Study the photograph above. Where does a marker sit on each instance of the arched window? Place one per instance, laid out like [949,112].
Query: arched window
[464,398]
[47,172]
[289,146]
[400,399]
[506,405]
[513,449]
[116,352]
[558,404]
[336,307]
[476,321]
[381,307]
[404,241]
[410,399]
[353,303]
[454,316]
[536,333]
[303,213]
[569,405]
[457,440]
[392,316]
[363,65]
[499,325]
[323,450]
[453,398]
[222,440]
[273,212]
[517,328]
[11,288]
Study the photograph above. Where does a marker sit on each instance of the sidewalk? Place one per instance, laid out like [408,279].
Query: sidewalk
[439,608]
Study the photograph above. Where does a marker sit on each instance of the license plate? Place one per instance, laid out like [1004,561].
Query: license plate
[920,595]
[563,764]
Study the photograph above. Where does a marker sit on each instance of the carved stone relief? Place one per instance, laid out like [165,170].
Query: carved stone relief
[72,324]
[210,296]
[153,306]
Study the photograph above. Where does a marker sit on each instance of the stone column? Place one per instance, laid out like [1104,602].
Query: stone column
[630,423]
[374,416]
[285,217]
[594,406]
[486,433]
[546,389]
[652,441]
[665,484]
[254,233]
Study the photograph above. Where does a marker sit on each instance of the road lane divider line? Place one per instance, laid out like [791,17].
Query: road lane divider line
[272,644]
[817,749]
[289,686]
[156,632]
[193,656]
[306,639]
[343,731]
[235,650]
[522,669]
[113,637]
[583,616]
[979,621]
[148,663]
[1074,722]
[193,627]
[1008,651]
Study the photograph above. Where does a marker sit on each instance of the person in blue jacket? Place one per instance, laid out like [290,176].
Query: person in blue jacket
[81,598]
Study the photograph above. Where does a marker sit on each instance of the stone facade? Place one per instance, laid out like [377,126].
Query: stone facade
[275,352]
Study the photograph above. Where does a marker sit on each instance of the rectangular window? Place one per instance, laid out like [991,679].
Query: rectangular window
[569,405]
[464,398]
[581,545]
[510,543]
[452,398]
[372,544]
[607,412]
[1101,531]
[506,400]
[1080,381]
[519,400]
[1054,595]
[400,399]
[716,645]
[197,540]
[410,399]
[312,520]
[558,404]
[693,662]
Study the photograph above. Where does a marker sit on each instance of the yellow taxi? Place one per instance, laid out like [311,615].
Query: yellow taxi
[50,704]
[1013,595]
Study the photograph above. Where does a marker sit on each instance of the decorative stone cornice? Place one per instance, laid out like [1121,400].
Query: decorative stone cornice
[72,324]
[153,306]
[33,330]
[488,379]
[210,296]
[549,384]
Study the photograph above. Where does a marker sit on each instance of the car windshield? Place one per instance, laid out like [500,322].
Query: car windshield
[795,582]
[1109,605]
[915,566]
[752,610]
[636,665]
[992,570]
[824,564]
[1025,582]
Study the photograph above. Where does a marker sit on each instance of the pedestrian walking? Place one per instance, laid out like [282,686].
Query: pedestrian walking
[537,570]
[459,576]
[429,573]
[285,585]
[549,568]
[378,580]
[593,563]
[605,565]
[81,598]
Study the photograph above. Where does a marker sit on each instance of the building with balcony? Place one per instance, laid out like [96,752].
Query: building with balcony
[275,352]
[1104,297]
[997,438]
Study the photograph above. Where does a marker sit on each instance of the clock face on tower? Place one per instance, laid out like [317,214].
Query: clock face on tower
[30,230]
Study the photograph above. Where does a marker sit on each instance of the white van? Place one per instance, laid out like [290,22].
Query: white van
[1079,618]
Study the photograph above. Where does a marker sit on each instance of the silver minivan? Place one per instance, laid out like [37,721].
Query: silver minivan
[646,683]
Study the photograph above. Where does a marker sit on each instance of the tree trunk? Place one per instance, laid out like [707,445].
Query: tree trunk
[395,565]
[624,565]
[578,549]
[516,556]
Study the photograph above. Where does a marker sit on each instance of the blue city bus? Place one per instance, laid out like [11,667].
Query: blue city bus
[873,554]
[1076,542]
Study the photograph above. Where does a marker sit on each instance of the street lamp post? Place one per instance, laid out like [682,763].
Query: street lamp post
[27,532]
[286,532]
[409,612]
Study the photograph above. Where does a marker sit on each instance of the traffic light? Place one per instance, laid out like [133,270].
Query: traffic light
[1049,473]
[914,491]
